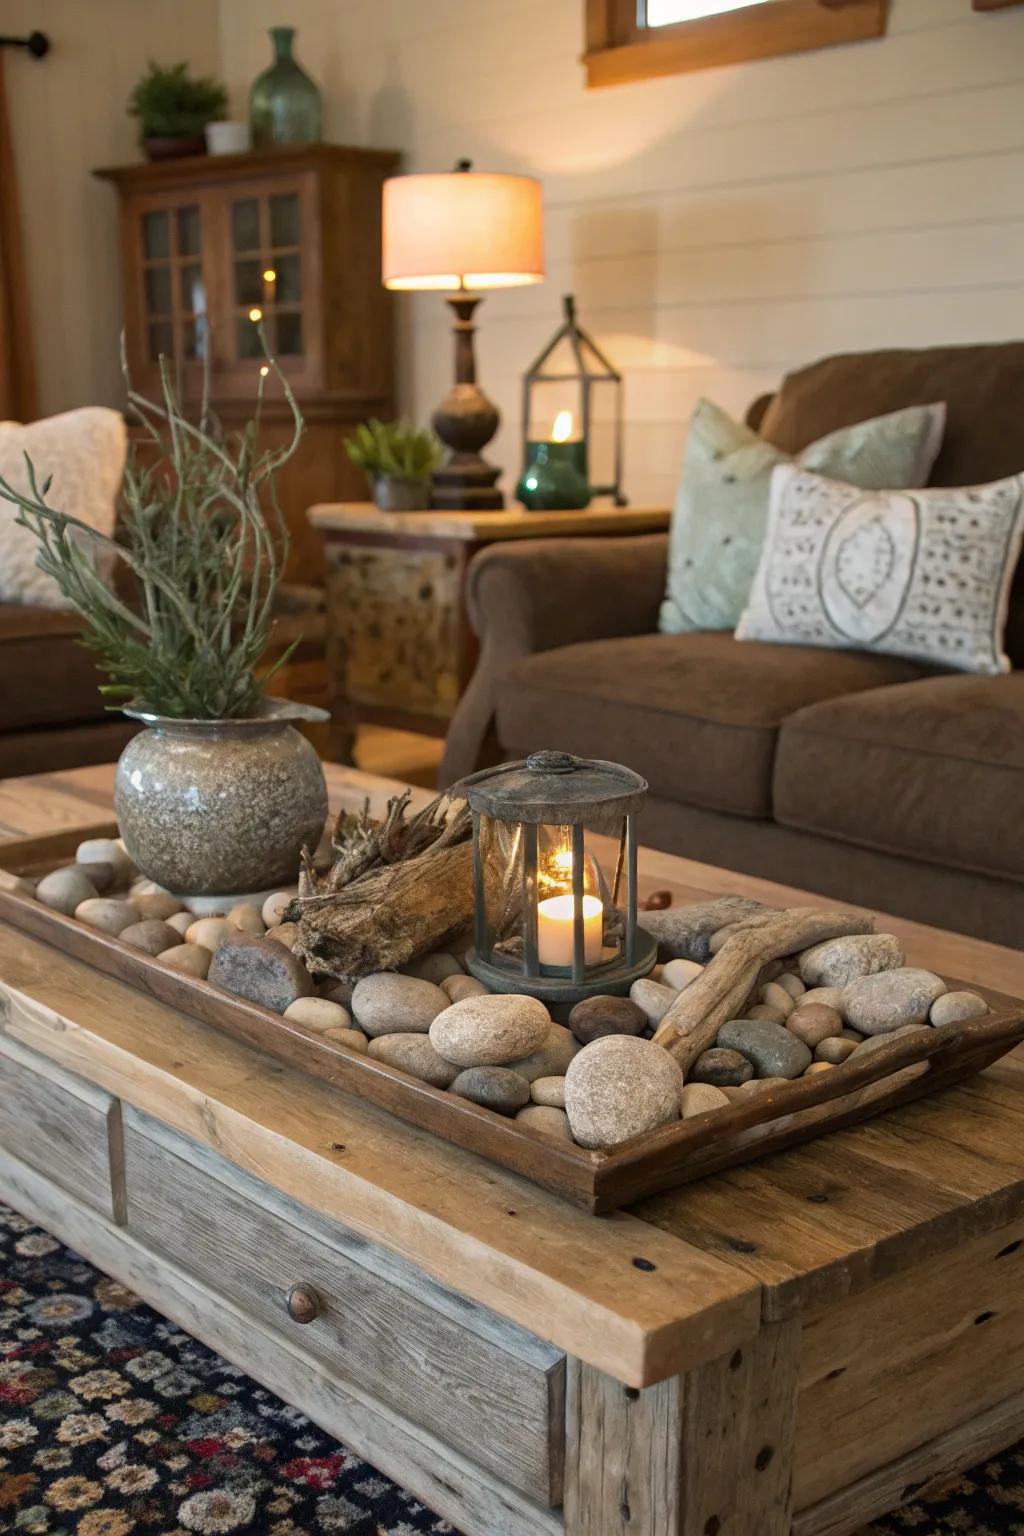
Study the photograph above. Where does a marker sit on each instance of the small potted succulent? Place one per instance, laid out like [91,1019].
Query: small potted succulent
[173,109]
[398,460]
[220,794]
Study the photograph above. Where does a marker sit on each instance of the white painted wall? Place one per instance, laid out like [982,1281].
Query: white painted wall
[717,228]
[67,116]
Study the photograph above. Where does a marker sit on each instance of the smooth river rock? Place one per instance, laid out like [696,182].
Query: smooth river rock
[951,1007]
[595,1017]
[814,1022]
[284,933]
[64,890]
[210,932]
[722,1068]
[878,1004]
[108,914]
[835,1050]
[260,970]
[496,1088]
[387,1003]
[772,1049]
[831,997]
[272,911]
[157,904]
[546,1121]
[415,1055]
[552,1056]
[774,996]
[354,1039]
[764,1011]
[549,1091]
[684,933]
[791,984]
[837,962]
[620,1087]
[458,987]
[489,1031]
[191,959]
[106,850]
[318,1014]
[246,916]
[699,1098]
[680,973]
[181,922]
[434,967]
[653,999]
[152,935]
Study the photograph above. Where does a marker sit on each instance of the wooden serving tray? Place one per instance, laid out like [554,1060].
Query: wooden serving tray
[905,1069]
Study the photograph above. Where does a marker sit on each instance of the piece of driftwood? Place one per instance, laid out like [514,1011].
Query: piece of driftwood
[722,989]
[396,889]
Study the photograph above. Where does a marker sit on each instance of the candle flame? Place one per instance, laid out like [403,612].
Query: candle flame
[561,432]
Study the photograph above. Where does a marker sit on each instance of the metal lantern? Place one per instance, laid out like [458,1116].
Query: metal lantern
[547,920]
[573,395]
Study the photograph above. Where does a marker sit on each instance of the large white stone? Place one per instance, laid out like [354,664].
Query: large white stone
[389,1004]
[489,1031]
[619,1087]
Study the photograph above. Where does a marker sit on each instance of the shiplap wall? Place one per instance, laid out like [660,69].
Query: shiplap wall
[67,116]
[717,228]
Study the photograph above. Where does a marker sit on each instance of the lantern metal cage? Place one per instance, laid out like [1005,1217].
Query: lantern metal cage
[547,920]
[585,370]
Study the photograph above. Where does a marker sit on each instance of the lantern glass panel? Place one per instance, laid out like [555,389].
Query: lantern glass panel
[603,435]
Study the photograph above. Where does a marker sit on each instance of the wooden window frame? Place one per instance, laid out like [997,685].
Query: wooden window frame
[995,5]
[619,49]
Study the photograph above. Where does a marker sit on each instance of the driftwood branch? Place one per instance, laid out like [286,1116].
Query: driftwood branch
[721,991]
[397,889]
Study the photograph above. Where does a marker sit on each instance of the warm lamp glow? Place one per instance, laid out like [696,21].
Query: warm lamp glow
[462,229]
[255,315]
[270,276]
[561,432]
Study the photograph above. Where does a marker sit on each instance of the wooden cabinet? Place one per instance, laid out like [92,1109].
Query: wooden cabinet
[290,237]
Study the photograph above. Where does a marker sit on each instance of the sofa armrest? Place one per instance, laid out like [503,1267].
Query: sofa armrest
[540,594]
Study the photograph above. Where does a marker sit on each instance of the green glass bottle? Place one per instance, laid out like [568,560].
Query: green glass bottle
[284,104]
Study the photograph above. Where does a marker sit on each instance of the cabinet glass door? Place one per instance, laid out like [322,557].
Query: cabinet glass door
[266,273]
[174,301]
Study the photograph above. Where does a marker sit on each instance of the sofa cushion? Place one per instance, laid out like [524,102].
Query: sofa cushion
[696,714]
[46,677]
[932,770]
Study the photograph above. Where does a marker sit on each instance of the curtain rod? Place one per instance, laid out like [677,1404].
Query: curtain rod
[37,43]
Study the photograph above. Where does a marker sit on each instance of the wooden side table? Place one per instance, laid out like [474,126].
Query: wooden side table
[400,650]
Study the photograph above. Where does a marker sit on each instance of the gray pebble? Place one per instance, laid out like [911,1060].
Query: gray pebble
[835,1049]
[387,1003]
[725,1069]
[549,1091]
[595,1017]
[488,1031]
[814,1022]
[552,1056]
[496,1088]
[546,1121]
[157,904]
[152,935]
[767,1013]
[956,1007]
[261,971]
[699,1098]
[837,962]
[679,973]
[620,1087]
[108,914]
[434,967]
[653,999]
[65,889]
[772,1049]
[414,1054]
[888,1000]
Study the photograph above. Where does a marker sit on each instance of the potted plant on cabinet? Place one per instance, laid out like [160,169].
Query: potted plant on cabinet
[220,794]
[173,109]
[398,460]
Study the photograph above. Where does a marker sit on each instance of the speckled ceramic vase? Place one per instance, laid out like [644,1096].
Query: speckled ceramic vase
[211,807]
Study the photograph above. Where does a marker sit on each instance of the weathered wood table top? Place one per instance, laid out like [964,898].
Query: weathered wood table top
[794,1232]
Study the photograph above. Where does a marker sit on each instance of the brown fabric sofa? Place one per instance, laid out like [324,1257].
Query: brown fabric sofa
[863,777]
[52,714]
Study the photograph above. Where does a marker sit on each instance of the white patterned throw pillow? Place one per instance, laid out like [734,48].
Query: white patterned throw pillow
[922,574]
[84,451]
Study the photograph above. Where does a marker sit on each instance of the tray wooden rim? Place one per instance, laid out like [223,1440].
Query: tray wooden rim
[599,1181]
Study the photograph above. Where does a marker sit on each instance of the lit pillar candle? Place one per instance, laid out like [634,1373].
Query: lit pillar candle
[555,930]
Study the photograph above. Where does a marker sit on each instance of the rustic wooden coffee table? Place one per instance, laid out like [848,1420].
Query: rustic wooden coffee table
[794,1346]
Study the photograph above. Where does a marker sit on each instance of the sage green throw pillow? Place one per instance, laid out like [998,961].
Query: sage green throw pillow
[721,511]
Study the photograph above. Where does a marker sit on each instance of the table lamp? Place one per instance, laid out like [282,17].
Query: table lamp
[463,231]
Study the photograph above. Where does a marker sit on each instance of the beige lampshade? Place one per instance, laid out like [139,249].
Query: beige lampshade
[462,229]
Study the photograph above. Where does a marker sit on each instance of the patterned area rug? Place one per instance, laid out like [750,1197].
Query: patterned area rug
[113,1421]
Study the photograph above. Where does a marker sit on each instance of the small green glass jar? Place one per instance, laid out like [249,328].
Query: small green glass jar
[284,103]
[554,479]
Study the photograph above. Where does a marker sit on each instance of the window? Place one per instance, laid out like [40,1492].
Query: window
[634,39]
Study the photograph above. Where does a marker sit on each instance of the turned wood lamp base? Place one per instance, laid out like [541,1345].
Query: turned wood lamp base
[465,421]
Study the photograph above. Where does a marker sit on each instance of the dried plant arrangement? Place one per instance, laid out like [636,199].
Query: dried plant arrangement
[202,536]
[396,889]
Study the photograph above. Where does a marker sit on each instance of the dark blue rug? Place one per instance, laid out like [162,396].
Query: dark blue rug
[114,1422]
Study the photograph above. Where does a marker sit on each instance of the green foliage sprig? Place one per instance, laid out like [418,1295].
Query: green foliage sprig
[205,557]
[394,448]
[171,104]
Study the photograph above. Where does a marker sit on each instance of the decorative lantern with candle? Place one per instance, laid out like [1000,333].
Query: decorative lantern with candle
[573,386]
[555,476]
[547,919]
